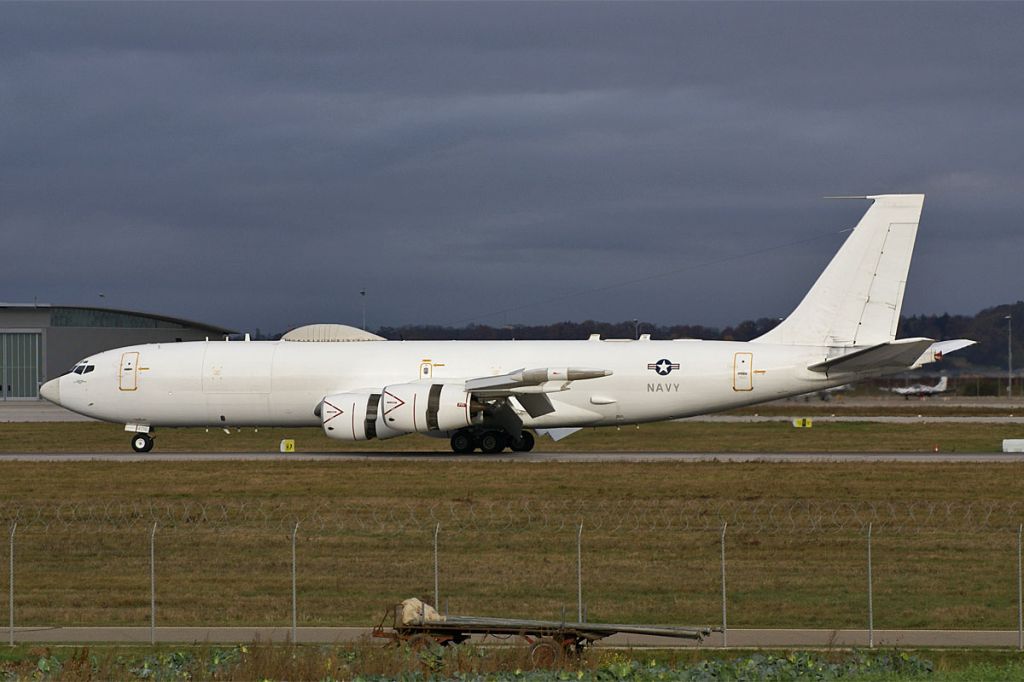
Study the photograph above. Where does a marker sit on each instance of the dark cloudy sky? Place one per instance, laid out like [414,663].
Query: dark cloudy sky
[256,165]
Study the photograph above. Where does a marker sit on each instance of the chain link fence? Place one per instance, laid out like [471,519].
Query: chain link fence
[787,563]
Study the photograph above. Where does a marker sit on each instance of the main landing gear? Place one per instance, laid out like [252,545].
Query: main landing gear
[142,442]
[490,441]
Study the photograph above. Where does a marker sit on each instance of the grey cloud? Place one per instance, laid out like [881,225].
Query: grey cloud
[257,164]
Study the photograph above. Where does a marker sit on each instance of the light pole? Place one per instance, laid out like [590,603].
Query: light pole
[636,329]
[362,297]
[1009,355]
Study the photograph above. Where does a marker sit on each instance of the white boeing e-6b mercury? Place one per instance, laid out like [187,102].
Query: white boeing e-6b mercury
[486,394]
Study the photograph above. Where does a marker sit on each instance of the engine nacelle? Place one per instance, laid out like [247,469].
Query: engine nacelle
[397,410]
[350,416]
[420,408]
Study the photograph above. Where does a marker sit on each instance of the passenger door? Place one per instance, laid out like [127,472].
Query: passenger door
[742,372]
[128,375]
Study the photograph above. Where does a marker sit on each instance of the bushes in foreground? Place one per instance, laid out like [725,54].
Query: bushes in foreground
[465,663]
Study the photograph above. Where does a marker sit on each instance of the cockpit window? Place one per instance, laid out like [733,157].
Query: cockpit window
[89,368]
[82,368]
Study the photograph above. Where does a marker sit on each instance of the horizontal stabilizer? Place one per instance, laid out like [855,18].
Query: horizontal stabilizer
[937,350]
[902,353]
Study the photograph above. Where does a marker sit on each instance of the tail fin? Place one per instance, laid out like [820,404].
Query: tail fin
[857,299]
[943,383]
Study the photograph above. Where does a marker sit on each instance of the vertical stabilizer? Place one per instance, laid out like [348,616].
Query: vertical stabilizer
[857,299]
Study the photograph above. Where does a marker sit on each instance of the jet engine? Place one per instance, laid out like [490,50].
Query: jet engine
[397,410]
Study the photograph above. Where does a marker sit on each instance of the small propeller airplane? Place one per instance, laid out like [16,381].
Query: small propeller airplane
[920,390]
[493,395]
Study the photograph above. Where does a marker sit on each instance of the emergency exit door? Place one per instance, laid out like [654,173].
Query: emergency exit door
[129,373]
[742,370]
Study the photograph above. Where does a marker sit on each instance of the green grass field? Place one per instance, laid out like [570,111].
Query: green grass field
[944,546]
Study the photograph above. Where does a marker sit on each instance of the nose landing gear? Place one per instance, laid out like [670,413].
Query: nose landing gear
[490,441]
[142,442]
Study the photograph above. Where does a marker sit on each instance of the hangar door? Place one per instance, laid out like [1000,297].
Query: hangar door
[20,360]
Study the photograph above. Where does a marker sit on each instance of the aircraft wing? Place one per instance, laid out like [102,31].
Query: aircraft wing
[529,386]
[527,381]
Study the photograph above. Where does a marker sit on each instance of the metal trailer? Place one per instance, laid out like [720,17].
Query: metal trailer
[550,641]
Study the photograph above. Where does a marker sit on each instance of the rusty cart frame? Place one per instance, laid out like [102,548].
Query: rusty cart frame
[550,641]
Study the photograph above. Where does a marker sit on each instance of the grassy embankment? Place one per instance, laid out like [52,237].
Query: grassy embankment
[651,543]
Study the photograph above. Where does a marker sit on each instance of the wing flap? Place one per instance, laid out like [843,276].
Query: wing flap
[558,434]
[536,405]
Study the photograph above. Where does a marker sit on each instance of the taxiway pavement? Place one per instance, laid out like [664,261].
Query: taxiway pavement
[867,458]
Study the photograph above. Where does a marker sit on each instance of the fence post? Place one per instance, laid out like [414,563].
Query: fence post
[871,604]
[295,610]
[579,571]
[10,605]
[152,585]
[437,581]
[725,620]
[1020,594]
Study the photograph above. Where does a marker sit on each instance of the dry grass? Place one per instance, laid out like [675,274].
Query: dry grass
[98,574]
[662,437]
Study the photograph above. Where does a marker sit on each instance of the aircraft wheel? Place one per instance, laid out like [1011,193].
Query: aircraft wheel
[524,443]
[545,653]
[492,442]
[462,442]
[142,442]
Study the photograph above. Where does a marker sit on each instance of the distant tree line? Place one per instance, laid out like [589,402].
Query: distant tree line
[988,328]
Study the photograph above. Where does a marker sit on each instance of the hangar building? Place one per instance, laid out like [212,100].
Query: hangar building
[39,341]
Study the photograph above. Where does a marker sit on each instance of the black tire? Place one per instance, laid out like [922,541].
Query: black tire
[524,443]
[546,653]
[142,442]
[422,642]
[493,442]
[462,442]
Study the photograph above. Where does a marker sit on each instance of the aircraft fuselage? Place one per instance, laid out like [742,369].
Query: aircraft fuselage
[281,383]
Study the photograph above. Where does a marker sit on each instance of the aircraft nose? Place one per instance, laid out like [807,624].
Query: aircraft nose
[51,391]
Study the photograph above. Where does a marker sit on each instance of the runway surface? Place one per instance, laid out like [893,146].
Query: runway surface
[924,457]
[838,419]
[737,638]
